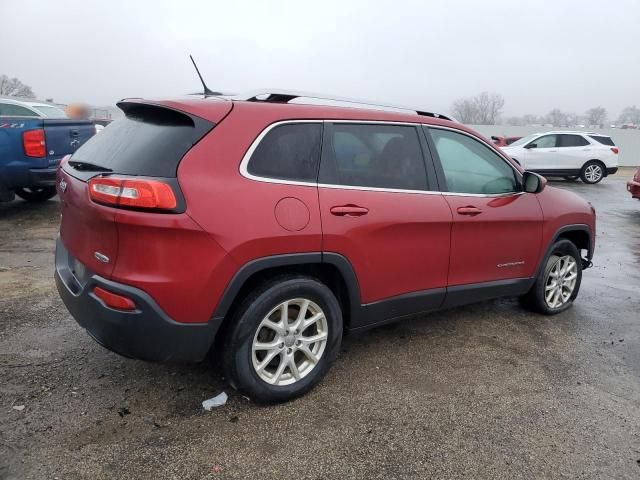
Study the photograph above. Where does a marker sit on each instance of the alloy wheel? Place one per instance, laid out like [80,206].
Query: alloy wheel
[593,173]
[561,281]
[289,342]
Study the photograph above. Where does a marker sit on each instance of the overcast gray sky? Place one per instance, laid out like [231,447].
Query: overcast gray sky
[538,55]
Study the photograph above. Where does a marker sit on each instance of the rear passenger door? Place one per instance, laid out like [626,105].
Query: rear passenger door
[380,210]
[497,228]
[573,151]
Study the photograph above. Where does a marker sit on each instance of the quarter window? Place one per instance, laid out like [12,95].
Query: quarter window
[603,140]
[572,141]
[472,167]
[373,155]
[288,152]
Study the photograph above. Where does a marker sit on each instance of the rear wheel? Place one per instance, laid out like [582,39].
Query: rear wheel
[283,339]
[592,172]
[36,194]
[557,285]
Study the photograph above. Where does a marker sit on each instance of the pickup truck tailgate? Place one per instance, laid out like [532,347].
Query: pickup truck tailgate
[64,136]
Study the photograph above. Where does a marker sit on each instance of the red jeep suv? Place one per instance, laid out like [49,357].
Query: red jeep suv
[261,228]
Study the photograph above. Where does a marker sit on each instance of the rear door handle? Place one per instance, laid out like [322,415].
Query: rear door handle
[469,210]
[349,211]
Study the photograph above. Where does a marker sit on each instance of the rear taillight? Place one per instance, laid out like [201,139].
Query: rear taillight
[615,150]
[113,300]
[34,143]
[125,192]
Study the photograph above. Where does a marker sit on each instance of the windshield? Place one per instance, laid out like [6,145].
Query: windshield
[50,112]
[524,140]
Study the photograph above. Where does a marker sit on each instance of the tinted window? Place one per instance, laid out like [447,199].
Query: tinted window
[603,140]
[572,141]
[288,152]
[11,110]
[371,155]
[148,141]
[472,167]
[51,112]
[546,141]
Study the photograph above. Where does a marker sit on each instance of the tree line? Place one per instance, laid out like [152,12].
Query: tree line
[486,109]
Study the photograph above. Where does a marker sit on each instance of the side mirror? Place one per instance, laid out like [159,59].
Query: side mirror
[533,183]
[531,145]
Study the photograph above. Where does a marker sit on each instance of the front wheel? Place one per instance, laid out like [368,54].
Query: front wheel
[558,283]
[571,178]
[592,172]
[283,339]
[36,194]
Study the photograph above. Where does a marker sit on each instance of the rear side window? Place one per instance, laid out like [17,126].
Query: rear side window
[470,166]
[288,152]
[11,110]
[372,155]
[572,141]
[149,141]
[603,140]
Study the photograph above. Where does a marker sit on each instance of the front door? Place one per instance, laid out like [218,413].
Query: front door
[497,229]
[542,153]
[377,210]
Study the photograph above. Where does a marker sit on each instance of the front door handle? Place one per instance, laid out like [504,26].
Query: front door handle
[349,211]
[469,210]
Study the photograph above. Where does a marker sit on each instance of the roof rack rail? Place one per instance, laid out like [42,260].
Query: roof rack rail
[285,96]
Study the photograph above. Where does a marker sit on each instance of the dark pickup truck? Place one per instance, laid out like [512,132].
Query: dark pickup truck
[31,147]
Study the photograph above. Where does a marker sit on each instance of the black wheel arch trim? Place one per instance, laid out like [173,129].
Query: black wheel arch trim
[578,227]
[260,264]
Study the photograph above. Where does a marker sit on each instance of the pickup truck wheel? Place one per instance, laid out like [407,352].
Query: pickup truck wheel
[38,194]
[283,339]
[592,172]
[558,283]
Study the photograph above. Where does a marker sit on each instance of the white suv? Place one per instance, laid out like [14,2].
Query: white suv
[587,155]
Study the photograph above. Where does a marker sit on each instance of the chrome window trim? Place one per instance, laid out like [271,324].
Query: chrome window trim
[247,156]
[491,148]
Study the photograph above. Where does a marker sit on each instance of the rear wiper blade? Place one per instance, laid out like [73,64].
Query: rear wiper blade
[88,167]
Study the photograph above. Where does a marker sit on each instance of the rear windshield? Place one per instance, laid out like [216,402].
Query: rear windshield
[603,140]
[149,141]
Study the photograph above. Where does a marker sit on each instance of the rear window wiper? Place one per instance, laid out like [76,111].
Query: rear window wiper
[88,167]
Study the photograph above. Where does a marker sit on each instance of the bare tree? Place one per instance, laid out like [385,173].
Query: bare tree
[483,109]
[530,119]
[464,110]
[14,87]
[556,117]
[630,115]
[514,121]
[596,116]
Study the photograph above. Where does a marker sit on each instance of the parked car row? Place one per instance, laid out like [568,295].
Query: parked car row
[271,228]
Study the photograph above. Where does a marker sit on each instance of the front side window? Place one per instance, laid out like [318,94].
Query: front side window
[572,141]
[11,110]
[546,141]
[288,152]
[373,155]
[472,167]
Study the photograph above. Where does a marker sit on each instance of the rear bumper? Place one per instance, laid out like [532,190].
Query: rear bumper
[42,177]
[633,188]
[146,333]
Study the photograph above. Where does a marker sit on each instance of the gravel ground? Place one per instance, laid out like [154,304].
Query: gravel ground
[484,391]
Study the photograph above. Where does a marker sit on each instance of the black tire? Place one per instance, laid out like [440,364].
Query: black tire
[237,355]
[36,194]
[535,300]
[571,178]
[597,166]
